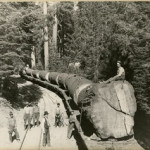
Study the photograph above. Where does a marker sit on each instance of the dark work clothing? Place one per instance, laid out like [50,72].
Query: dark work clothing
[12,128]
[46,132]
[11,132]
[36,118]
[36,115]
[27,118]
[46,137]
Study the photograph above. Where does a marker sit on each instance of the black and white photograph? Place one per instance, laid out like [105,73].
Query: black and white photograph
[75,75]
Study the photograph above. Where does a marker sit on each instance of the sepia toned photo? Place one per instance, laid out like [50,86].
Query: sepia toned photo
[75,75]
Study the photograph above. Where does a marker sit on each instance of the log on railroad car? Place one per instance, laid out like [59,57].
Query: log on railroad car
[62,78]
[29,72]
[53,77]
[112,109]
[44,75]
[109,107]
[35,74]
[77,87]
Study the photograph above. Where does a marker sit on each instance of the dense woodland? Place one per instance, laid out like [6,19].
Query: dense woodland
[95,33]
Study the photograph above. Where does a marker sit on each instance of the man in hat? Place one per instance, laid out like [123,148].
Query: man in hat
[12,127]
[27,115]
[36,114]
[57,115]
[120,74]
[45,125]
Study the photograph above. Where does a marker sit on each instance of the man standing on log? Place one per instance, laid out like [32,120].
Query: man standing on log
[120,74]
[12,127]
[45,129]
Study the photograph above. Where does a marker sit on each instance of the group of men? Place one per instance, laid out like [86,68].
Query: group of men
[32,113]
[74,67]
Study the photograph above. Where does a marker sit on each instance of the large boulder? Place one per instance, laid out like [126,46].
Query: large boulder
[113,109]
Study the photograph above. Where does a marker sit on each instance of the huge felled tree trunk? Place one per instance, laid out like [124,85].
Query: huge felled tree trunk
[115,104]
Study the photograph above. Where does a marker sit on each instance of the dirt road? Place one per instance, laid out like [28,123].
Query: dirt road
[32,141]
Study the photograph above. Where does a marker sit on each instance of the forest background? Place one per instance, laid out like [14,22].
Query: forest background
[96,34]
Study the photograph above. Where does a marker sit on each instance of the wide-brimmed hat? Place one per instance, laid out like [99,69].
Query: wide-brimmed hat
[46,113]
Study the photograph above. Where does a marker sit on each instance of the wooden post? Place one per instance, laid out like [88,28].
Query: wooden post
[46,53]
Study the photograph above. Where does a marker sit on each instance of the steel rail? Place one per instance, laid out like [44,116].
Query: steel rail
[23,139]
[39,145]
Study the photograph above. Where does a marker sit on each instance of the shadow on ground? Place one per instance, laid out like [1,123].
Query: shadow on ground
[142,129]
[19,96]
[84,124]
[80,142]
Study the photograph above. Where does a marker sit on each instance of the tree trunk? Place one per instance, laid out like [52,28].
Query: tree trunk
[46,55]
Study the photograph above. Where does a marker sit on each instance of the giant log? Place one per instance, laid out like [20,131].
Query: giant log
[113,109]
[109,107]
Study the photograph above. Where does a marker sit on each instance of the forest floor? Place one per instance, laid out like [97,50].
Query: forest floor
[48,101]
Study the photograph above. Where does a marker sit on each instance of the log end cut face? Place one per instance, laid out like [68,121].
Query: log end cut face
[113,109]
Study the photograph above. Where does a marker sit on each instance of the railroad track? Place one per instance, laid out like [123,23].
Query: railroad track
[38,147]
[54,101]
[28,133]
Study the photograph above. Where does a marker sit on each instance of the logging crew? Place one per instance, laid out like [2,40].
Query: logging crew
[27,115]
[36,114]
[45,125]
[12,127]
[120,74]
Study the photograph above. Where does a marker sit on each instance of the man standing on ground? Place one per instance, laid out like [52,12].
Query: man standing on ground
[45,129]
[57,115]
[27,117]
[36,114]
[12,127]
